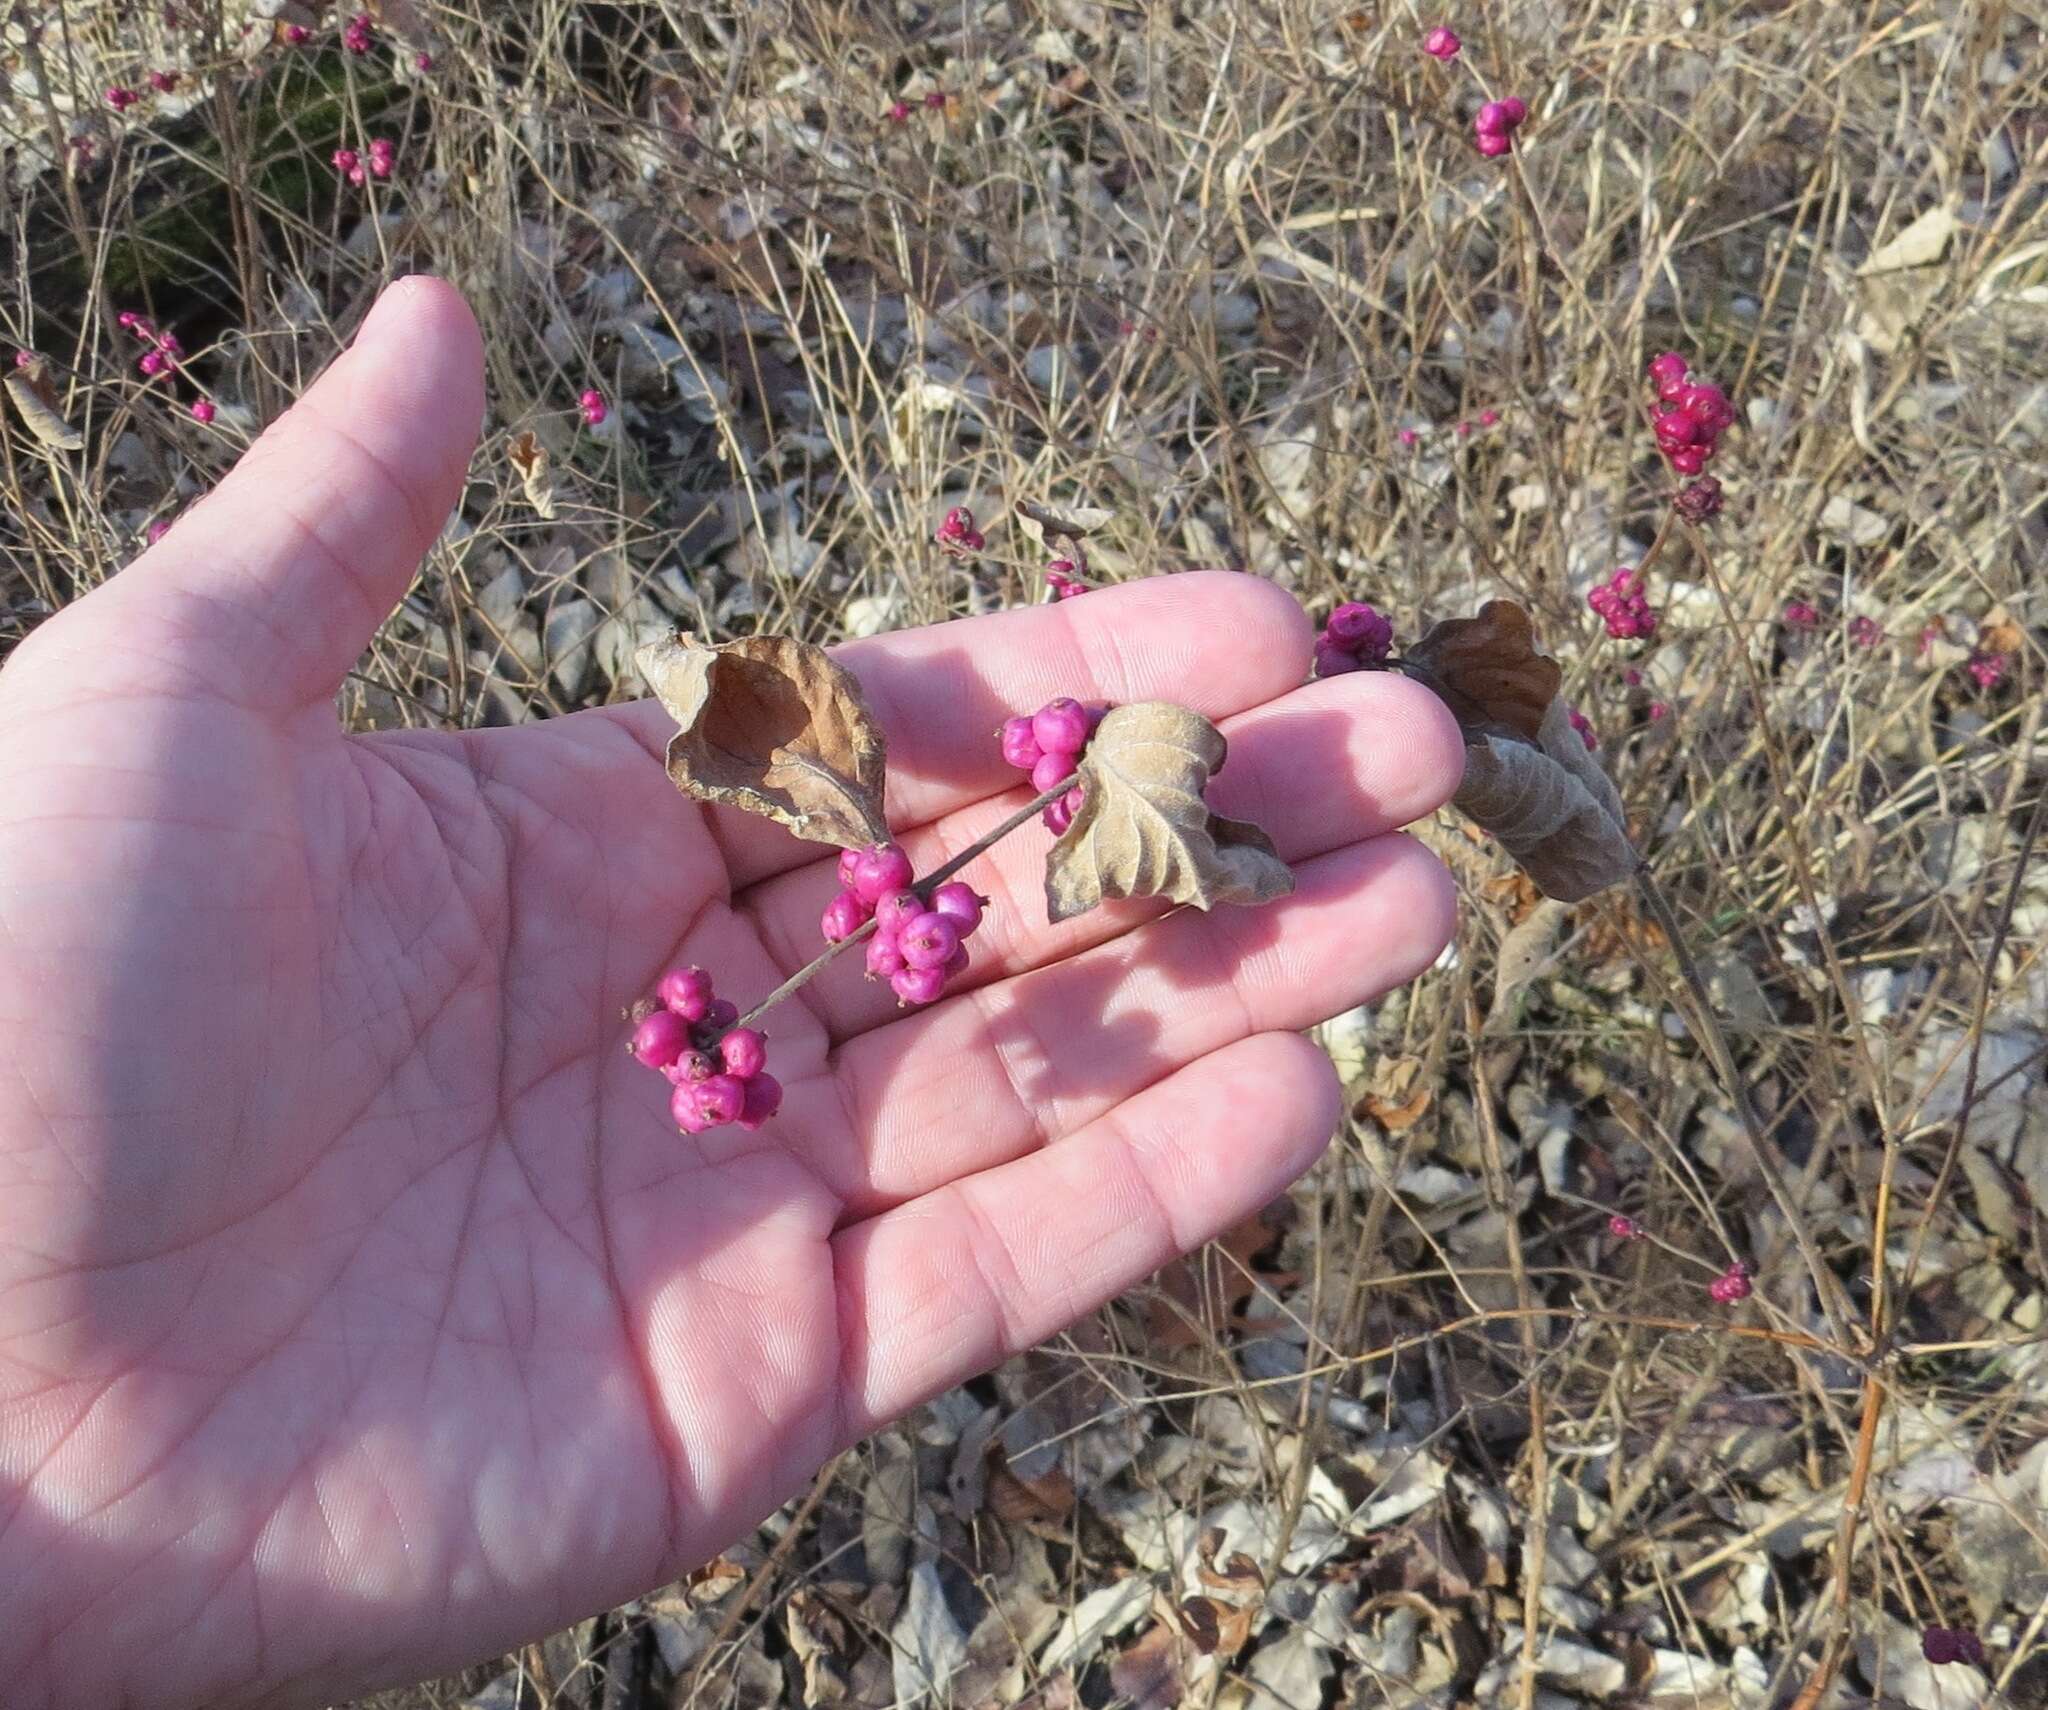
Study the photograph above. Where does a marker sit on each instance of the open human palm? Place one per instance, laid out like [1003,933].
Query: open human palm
[361,1310]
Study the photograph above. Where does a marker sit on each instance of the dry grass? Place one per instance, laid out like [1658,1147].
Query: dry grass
[1200,265]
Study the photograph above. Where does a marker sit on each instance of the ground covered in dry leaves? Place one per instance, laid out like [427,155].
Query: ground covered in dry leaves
[1426,1433]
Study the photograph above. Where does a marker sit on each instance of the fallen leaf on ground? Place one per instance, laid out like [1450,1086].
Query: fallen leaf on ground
[773,726]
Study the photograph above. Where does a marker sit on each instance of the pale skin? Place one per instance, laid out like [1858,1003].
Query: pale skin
[361,1311]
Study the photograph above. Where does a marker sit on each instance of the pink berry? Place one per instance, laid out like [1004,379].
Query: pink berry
[1659,710]
[879,870]
[763,1100]
[687,991]
[1020,745]
[918,985]
[1491,120]
[1059,816]
[956,964]
[1667,366]
[899,111]
[345,159]
[423,61]
[1731,1285]
[661,1039]
[1706,404]
[121,99]
[1675,427]
[896,911]
[1408,437]
[844,915]
[720,1099]
[297,34]
[203,411]
[1698,501]
[743,1052]
[848,860]
[721,1014]
[685,1110]
[152,362]
[936,99]
[1865,631]
[692,1066]
[1051,768]
[1061,727]
[1489,418]
[1333,659]
[884,959]
[163,82]
[1987,670]
[960,904]
[1688,461]
[1441,44]
[593,407]
[928,941]
[1360,630]
[1513,110]
[1584,726]
[1623,1228]
[1800,614]
[1492,144]
[1463,430]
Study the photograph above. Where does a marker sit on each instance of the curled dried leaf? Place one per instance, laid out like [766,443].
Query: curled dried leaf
[36,399]
[773,726]
[1552,806]
[1487,671]
[1143,829]
[529,460]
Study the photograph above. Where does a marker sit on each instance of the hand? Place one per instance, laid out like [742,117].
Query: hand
[361,1310]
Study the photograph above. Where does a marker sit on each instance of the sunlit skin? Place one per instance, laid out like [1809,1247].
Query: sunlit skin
[362,1313]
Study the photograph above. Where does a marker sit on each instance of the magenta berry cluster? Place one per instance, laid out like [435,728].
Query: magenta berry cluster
[1987,670]
[1495,124]
[1942,1645]
[203,411]
[590,405]
[719,1069]
[1062,579]
[917,947]
[297,34]
[1692,415]
[1049,744]
[121,98]
[1584,726]
[957,534]
[1732,1285]
[1623,606]
[1866,632]
[358,34]
[163,82]
[1442,43]
[164,352]
[1354,636]
[1801,614]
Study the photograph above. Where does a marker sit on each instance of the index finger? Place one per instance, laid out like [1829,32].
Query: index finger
[1217,641]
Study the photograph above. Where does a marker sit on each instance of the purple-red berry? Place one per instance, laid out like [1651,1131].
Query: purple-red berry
[660,1039]
[203,411]
[721,1014]
[918,985]
[844,915]
[1050,770]
[879,870]
[1442,44]
[720,1099]
[1061,727]
[1624,1228]
[1361,631]
[744,1053]
[1492,144]
[848,860]
[763,1100]
[960,904]
[894,912]
[693,1065]
[1514,110]
[1020,744]
[884,958]
[1699,501]
[687,991]
[684,1109]
[1731,1285]
[928,941]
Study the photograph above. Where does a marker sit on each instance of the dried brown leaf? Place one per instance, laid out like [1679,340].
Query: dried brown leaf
[1552,807]
[1488,672]
[1143,829]
[529,459]
[773,726]
[37,402]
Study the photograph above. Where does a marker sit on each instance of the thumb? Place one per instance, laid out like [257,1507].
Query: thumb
[271,586]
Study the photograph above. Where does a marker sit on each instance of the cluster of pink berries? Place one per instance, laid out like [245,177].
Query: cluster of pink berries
[1441,43]
[381,157]
[718,1068]
[297,34]
[358,34]
[1354,637]
[1865,632]
[899,111]
[164,350]
[1941,1645]
[1801,614]
[1412,437]
[1694,415]
[121,98]
[1623,606]
[590,405]
[1049,745]
[1584,726]
[1062,580]
[1495,124]
[917,947]
[957,534]
[1987,670]
[1731,1285]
